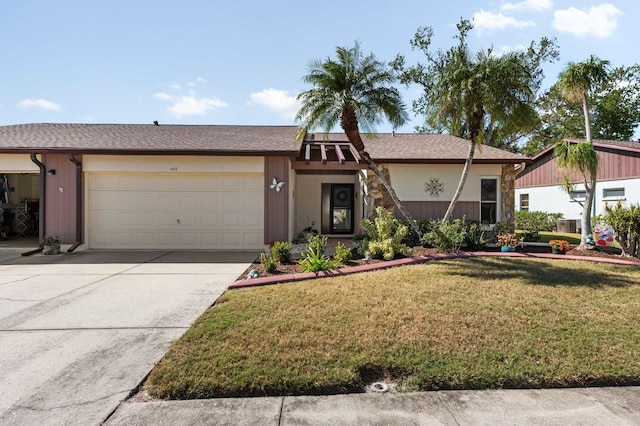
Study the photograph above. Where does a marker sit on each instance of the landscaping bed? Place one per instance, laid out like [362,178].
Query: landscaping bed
[294,267]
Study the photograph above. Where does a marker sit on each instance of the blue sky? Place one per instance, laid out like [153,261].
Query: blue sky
[242,62]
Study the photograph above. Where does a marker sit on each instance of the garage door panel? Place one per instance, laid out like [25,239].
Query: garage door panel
[233,202]
[124,220]
[146,201]
[211,201]
[168,219]
[211,220]
[122,200]
[253,222]
[190,201]
[147,240]
[169,211]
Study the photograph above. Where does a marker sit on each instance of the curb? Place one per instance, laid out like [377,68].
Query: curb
[287,278]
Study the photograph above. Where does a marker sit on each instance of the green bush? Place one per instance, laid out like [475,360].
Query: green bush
[412,239]
[281,251]
[474,237]
[317,243]
[313,260]
[385,236]
[626,226]
[447,236]
[342,254]
[269,263]
[534,222]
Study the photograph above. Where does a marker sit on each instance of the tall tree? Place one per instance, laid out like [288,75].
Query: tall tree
[353,91]
[576,82]
[614,106]
[471,95]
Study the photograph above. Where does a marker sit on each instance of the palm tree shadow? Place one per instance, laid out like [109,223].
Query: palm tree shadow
[549,273]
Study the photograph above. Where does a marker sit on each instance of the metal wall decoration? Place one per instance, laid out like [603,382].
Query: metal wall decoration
[434,187]
[276,185]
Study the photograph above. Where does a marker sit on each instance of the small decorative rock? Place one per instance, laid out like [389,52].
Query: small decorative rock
[253,274]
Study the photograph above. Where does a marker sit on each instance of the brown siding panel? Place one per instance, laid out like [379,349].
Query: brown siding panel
[60,199]
[276,204]
[437,209]
[612,164]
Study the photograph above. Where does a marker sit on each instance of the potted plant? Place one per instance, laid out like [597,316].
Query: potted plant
[50,245]
[560,246]
[508,241]
[309,232]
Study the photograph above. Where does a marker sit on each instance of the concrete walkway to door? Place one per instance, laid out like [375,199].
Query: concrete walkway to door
[79,332]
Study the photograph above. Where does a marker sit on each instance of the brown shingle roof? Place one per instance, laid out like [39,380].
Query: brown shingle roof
[432,147]
[226,139]
[148,138]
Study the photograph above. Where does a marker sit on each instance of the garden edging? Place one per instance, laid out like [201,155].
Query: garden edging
[286,278]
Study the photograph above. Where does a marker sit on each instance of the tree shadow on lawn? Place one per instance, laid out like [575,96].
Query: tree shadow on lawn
[551,273]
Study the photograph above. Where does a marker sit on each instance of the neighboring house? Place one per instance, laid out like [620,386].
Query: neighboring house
[538,186]
[121,186]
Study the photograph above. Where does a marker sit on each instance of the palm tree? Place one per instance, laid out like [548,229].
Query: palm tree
[472,91]
[583,158]
[353,91]
[578,79]
[576,82]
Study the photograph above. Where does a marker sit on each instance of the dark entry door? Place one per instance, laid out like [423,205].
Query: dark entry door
[341,208]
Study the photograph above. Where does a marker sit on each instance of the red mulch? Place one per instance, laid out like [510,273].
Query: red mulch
[419,251]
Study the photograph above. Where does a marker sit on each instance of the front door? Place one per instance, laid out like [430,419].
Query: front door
[341,208]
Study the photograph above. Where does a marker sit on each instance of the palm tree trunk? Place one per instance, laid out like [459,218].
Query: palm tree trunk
[585,220]
[392,193]
[587,118]
[463,179]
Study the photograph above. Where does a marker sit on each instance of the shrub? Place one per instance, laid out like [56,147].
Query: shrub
[474,238]
[281,251]
[447,236]
[269,263]
[412,239]
[385,236]
[343,254]
[317,243]
[625,222]
[313,260]
[534,222]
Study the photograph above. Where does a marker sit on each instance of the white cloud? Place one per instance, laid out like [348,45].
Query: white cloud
[498,21]
[599,21]
[537,5]
[182,106]
[276,100]
[189,104]
[39,103]
[163,96]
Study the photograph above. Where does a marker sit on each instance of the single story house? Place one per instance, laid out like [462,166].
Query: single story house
[133,186]
[538,186]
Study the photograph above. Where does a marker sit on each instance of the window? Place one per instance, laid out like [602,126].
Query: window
[613,193]
[578,195]
[489,200]
[524,202]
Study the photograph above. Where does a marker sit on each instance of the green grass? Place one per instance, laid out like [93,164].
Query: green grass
[455,324]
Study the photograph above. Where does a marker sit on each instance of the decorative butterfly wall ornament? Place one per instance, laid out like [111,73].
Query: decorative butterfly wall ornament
[276,185]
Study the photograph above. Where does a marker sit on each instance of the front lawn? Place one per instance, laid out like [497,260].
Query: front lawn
[452,324]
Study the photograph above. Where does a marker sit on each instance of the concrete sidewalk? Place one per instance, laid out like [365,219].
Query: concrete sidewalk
[79,332]
[595,406]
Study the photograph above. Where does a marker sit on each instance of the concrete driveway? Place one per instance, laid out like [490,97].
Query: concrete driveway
[79,332]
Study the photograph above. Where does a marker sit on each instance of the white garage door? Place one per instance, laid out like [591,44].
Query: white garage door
[175,211]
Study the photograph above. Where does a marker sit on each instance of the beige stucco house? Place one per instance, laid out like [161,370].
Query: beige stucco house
[123,186]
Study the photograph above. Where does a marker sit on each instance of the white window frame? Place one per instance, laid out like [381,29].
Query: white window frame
[497,201]
[606,197]
[528,201]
